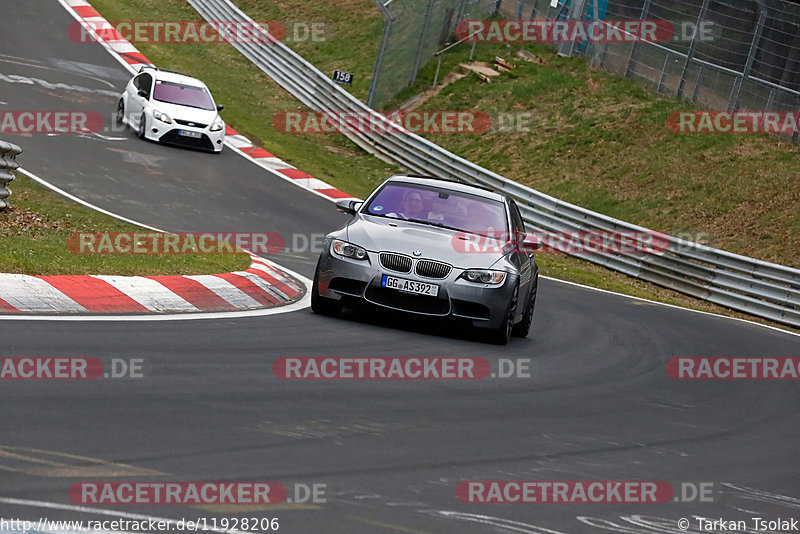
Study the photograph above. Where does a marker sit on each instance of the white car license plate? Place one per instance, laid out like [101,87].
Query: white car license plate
[410,286]
[189,133]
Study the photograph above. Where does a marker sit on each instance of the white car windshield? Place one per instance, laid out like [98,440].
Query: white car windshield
[439,207]
[183,95]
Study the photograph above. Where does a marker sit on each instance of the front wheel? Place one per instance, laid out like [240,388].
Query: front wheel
[320,304]
[142,126]
[502,335]
[523,328]
[120,113]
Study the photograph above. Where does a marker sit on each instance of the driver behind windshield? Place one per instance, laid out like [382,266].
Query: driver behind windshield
[411,207]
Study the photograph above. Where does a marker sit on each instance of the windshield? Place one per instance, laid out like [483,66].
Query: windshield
[183,95]
[438,207]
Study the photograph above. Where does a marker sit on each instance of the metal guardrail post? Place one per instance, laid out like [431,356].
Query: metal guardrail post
[692,46]
[8,153]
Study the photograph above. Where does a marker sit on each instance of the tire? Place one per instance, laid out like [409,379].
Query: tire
[142,126]
[120,113]
[523,328]
[320,304]
[502,335]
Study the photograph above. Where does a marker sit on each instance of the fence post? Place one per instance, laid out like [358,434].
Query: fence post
[692,46]
[576,12]
[8,153]
[736,94]
[643,16]
[425,24]
[376,71]
[460,15]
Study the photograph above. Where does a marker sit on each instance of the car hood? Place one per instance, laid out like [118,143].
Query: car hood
[184,113]
[378,234]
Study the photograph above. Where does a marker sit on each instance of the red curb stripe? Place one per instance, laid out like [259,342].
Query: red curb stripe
[230,131]
[134,58]
[257,152]
[295,174]
[263,298]
[194,292]
[86,11]
[5,306]
[283,287]
[334,193]
[113,35]
[94,294]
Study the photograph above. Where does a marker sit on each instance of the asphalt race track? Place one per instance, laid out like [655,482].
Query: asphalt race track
[598,404]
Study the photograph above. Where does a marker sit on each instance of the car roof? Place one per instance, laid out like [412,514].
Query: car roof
[448,184]
[182,79]
[174,77]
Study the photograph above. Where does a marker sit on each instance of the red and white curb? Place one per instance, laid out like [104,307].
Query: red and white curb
[130,57]
[263,285]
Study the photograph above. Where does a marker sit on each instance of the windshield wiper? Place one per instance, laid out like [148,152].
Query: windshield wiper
[438,225]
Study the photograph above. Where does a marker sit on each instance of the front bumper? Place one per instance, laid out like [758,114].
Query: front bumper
[485,306]
[170,134]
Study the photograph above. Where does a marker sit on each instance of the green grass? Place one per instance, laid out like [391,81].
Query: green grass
[598,140]
[35,229]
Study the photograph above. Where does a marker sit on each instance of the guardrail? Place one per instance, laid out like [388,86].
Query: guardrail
[745,284]
[8,153]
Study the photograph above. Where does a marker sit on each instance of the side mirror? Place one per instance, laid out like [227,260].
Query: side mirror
[142,93]
[531,242]
[348,205]
[220,108]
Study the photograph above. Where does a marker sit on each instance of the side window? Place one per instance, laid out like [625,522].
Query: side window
[516,219]
[143,82]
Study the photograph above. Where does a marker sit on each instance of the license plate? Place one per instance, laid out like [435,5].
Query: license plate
[189,133]
[410,286]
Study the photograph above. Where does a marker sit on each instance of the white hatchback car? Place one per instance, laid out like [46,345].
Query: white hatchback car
[169,107]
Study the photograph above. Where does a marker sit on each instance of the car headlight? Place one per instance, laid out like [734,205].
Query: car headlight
[217,126]
[482,276]
[163,117]
[348,250]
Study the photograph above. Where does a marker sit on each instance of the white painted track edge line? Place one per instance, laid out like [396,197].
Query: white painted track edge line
[642,299]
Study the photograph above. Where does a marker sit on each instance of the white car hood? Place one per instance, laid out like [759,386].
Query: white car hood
[185,113]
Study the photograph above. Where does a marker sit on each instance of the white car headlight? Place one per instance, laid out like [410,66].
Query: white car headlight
[482,276]
[348,250]
[163,117]
[217,126]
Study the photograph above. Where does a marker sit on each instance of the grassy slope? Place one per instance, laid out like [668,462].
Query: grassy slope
[600,141]
[35,229]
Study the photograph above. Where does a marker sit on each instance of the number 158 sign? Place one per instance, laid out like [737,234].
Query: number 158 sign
[342,78]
